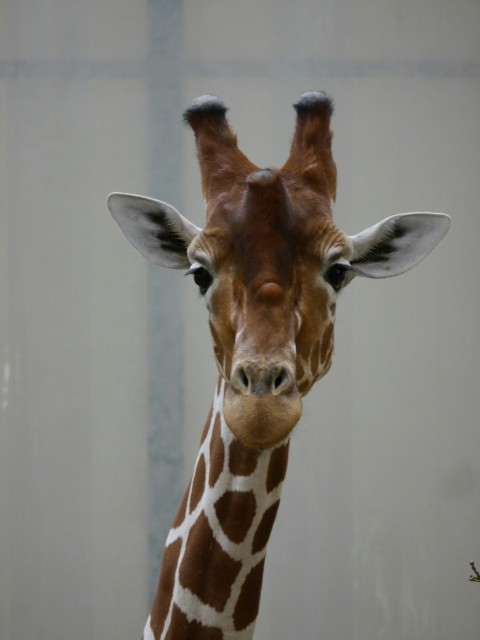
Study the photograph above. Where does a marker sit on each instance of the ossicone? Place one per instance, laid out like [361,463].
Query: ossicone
[266,195]
[222,164]
[310,161]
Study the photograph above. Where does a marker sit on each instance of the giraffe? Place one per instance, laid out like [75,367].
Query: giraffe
[270,263]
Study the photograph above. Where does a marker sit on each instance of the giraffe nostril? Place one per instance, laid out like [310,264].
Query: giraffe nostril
[280,379]
[243,379]
[262,380]
[283,381]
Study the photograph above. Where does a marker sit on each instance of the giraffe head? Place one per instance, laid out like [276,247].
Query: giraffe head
[270,261]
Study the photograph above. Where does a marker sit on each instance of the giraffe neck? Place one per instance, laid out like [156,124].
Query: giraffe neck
[212,569]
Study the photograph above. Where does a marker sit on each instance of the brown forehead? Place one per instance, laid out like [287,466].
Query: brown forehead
[267,242]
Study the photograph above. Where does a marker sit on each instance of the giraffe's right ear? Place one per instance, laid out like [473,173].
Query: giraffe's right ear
[155,228]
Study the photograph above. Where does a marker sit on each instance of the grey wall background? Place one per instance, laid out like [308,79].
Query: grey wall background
[106,370]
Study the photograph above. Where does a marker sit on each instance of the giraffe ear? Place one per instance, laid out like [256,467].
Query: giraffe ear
[397,244]
[154,228]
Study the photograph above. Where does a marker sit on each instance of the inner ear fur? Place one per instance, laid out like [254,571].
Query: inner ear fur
[397,243]
[156,229]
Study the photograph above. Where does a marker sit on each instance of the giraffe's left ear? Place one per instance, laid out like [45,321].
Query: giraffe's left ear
[154,228]
[397,244]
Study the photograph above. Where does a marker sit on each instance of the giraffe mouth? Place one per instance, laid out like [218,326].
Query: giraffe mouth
[261,421]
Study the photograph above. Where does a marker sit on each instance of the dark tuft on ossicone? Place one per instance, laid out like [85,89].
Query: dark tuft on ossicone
[314,102]
[210,106]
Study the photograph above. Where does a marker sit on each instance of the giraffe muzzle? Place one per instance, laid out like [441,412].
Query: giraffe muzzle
[262,403]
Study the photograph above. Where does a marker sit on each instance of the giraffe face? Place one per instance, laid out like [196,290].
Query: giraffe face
[264,258]
[270,261]
[270,269]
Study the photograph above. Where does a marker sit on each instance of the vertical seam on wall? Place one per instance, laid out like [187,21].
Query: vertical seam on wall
[165,308]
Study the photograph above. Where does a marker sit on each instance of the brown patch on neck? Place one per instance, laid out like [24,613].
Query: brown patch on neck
[248,603]
[242,461]
[235,512]
[198,483]
[166,584]
[207,426]
[182,510]
[264,529]
[277,467]
[206,569]
[217,453]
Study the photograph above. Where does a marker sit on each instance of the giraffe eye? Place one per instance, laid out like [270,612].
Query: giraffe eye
[201,277]
[335,276]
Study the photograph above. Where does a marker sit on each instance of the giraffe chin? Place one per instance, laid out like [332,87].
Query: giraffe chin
[261,422]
